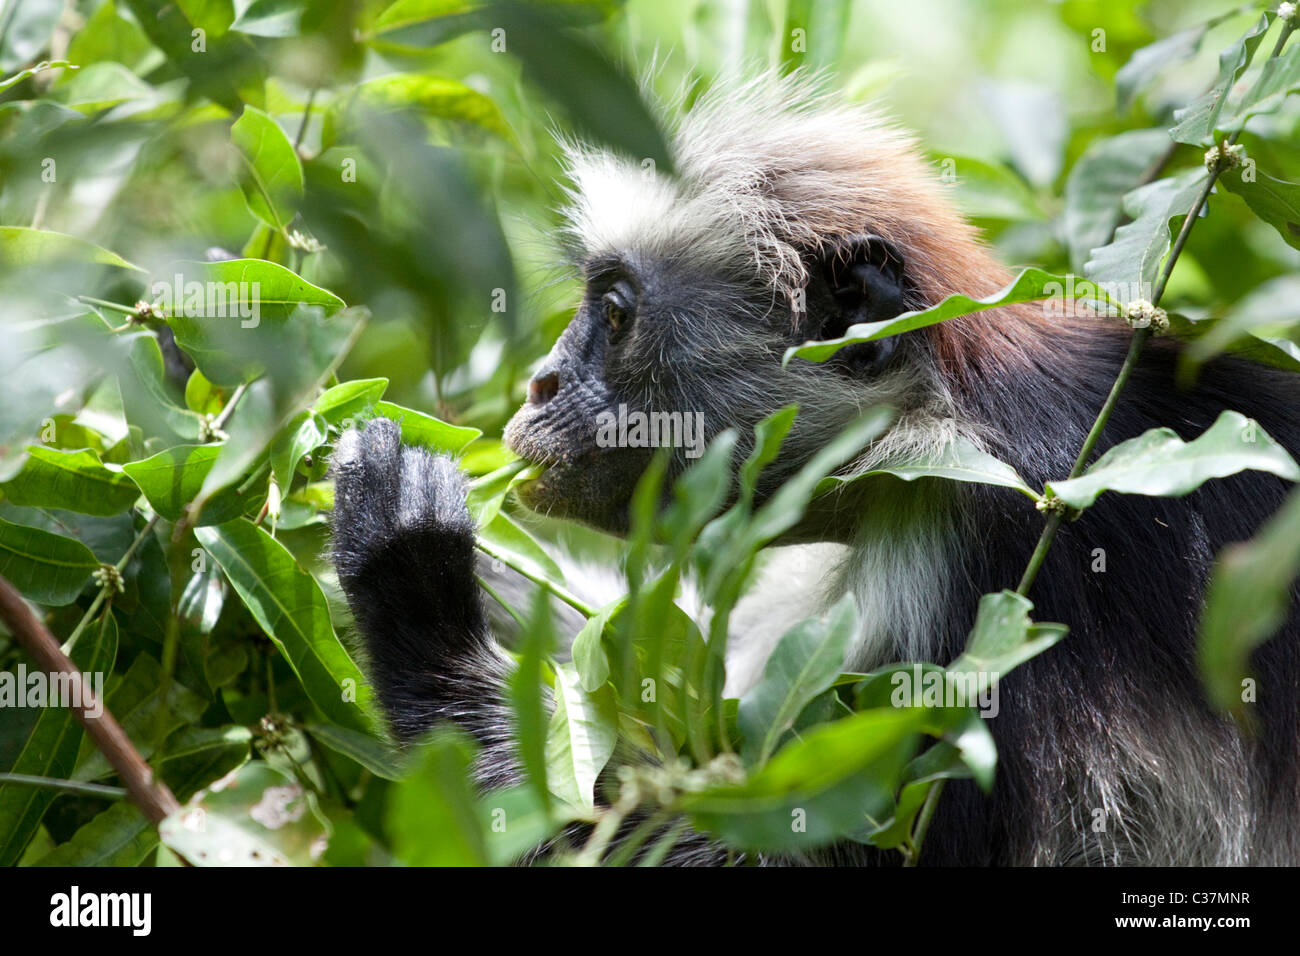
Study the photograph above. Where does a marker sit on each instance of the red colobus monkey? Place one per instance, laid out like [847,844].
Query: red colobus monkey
[791,218]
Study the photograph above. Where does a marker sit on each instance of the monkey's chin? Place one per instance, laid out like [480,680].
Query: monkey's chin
[564,490]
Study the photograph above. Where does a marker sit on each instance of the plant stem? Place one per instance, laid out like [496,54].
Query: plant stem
[223,416]
[500,600]
[923,821]
[566,596]
[93,610]
[1055,520]
[69,786]
[145,790]
[105,304]
[306,115]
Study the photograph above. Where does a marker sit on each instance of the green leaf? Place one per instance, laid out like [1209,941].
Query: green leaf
[119,836]
[288,604]
[171,479]
[433,816]
[1249,595]
[783,510]
[1002,639]
[1094,191]
[374,753]
[146,396]
[349,399]
[1278,80]
[520,549]
[47,568]
[1132,261]
[75,480]
[421,24]
[1150,61]
[239,317]
[514,821]
[488,493]
[427,431]
[258,816]
[1266,319]
[26,29]
[581,737]
[1158,462]
[428,95]
[100,86]
[107,35]
[1029,286]
[960,460]
[805,662]
[196,757]
[272,184]
[838,779]
[1196,123]
[148,707]
[588,649]
[230,71]
[304,434]
[202,396]
[51,748]
[20,246]
[1276,201]
[270,18]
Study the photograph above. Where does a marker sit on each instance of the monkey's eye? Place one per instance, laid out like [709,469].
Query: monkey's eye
[617,303]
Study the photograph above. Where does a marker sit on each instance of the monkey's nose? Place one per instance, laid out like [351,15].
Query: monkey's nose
[543,388]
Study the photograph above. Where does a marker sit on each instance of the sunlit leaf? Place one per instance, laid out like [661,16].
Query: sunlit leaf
[581,737]
[1158,462]
[1197,122]
[805,662]
[960,460]
[75,480]
[1029,286]
[272,181]
[288,604]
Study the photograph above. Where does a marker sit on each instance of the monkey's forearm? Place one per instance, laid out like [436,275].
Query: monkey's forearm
[404,549]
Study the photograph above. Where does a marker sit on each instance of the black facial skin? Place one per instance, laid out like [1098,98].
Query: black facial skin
[663,335]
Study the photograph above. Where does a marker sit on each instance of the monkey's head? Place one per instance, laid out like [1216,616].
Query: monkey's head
[790,217]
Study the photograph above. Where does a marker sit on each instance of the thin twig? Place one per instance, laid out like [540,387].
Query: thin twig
[923,821]
[108,587]
[564,595]
[151,795]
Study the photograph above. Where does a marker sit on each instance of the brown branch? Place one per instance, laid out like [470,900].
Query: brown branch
[150,795]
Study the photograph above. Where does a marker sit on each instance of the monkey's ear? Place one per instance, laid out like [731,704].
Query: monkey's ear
[867,282]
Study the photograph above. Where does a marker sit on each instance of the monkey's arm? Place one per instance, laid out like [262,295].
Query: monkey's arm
[404,550]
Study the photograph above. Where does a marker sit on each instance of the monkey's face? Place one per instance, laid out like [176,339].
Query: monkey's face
[663,352]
